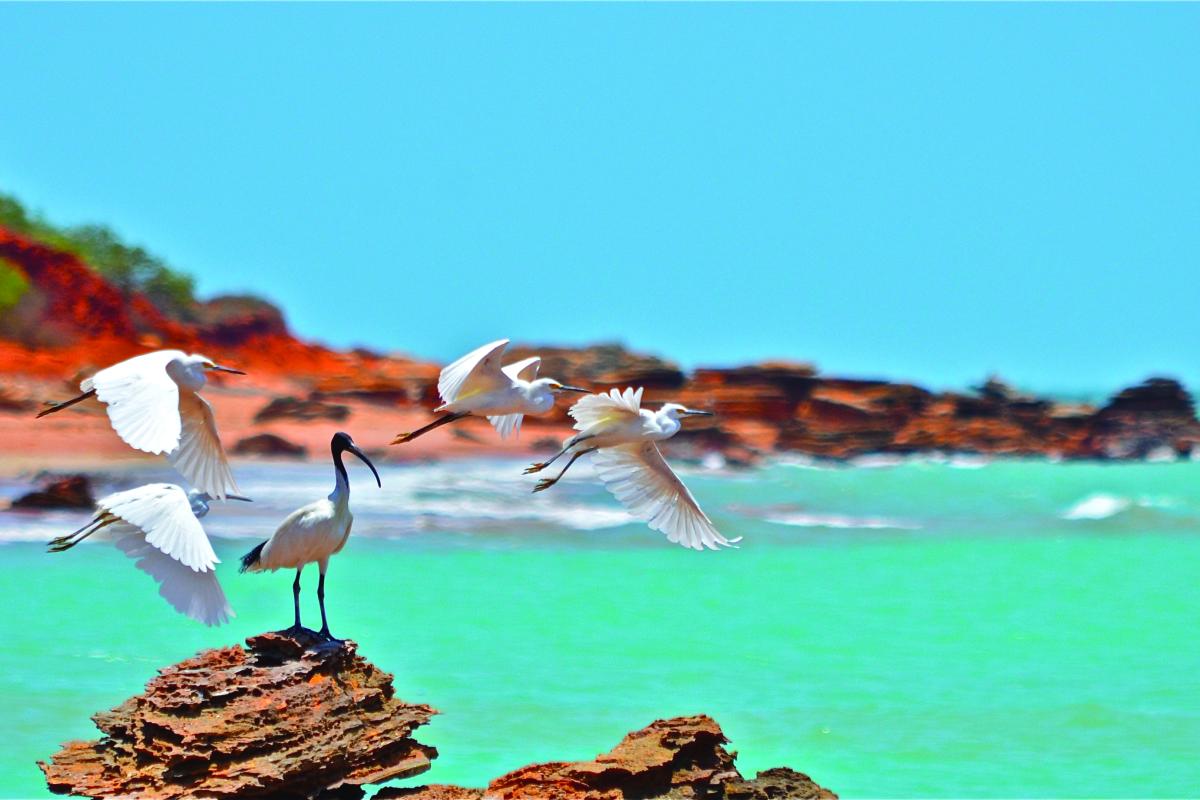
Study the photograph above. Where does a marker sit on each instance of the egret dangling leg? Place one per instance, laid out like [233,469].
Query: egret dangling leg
[321,599]
[541,465]
[401,438]
[546,483]
[67,404]
[61,543]
[296,627]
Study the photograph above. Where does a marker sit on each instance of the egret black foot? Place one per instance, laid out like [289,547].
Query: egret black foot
[544,484]
[532,468]
[297,630]
[329,637]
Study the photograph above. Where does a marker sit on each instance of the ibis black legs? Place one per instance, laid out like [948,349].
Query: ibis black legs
[297,628]
[324,623]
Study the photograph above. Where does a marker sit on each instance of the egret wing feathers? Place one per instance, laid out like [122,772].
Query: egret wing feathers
[194,594]
[141,400]
[200,457]
[640,478]
[477,371]
[507,424]
[162,513]
[524,370]
[601,408]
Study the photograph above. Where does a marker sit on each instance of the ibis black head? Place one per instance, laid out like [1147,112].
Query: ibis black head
[342,442]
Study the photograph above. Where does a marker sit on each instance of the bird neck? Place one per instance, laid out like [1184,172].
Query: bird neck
[668,426]
[341,486]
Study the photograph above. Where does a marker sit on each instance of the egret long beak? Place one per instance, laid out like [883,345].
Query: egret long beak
[238,497]
[565,388]
[231,370]
[693,413]
[354,449]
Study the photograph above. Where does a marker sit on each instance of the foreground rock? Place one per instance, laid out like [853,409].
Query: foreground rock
[676,758]
[71,491]
[287,717]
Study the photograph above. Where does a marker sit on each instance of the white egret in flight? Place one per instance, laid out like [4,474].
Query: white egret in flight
[153,404]
[622,435]
[159,525]
[476,385]
[312,533]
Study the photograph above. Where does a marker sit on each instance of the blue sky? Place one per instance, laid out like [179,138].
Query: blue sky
[929,192]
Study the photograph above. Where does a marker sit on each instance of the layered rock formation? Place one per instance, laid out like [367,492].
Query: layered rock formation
[295,717]
[78,322]
[283,717]
[677,758]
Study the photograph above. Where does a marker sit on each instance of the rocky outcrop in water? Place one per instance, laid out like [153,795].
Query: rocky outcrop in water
[283,717]
[673,759]
[69,491]
[268,445]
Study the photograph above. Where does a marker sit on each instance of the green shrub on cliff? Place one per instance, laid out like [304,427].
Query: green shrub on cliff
[12,285]
[129,267]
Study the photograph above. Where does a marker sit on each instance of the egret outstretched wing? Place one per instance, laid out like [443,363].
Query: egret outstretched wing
[507,425]
[598,409]
[141,400]
[162,513]
[639,477]
[200,457]
[524,370]
[477,371]
[194,594]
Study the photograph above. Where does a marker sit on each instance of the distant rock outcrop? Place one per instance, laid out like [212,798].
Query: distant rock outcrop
[69,491]
[673,759]
[294,408]
[268,445]
[287,717]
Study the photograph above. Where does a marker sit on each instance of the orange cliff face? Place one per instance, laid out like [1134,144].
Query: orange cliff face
[72,321]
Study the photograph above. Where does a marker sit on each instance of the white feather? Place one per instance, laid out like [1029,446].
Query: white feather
[524,370]
[507,424]
[200,457]
[162,513]
[640,478]
[194,594]
[599,409]
[477,371]
[142,400]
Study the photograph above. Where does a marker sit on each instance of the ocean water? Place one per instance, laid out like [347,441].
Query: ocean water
[951,628]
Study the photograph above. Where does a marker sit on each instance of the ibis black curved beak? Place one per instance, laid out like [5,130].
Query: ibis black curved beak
[565,388]
[354,449]
[231,370]
[238,497]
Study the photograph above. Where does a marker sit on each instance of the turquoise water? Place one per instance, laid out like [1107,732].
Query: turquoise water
[911,629]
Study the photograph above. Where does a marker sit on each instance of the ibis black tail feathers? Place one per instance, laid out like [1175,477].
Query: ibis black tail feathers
[251,559]
[60,406]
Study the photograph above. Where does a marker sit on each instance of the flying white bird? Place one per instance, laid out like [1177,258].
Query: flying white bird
[476,385]
[153,404]
[312,533]
[622,434]
[159,525]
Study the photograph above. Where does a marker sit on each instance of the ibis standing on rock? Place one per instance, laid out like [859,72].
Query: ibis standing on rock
[154,405]
[313,533]
[159,525]
[624,437]
[477,385]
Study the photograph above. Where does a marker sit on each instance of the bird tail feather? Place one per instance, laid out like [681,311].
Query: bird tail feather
[250,560]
